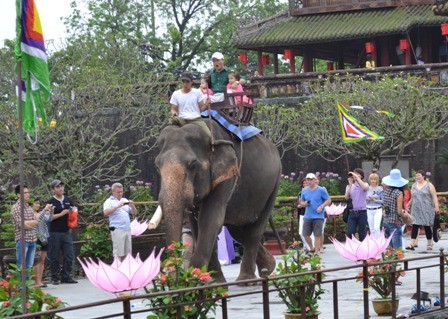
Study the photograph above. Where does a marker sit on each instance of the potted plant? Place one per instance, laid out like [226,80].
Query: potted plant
[174,276]
[379,280]
[282,219]
[11,297]
[304,284]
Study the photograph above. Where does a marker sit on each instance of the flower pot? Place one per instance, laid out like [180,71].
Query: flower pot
[383,307]
[273,248]
[289,315]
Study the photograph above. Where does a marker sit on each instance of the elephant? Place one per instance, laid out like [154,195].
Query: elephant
[223,181]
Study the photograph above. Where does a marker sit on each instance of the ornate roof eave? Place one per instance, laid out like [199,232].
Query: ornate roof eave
[284,30]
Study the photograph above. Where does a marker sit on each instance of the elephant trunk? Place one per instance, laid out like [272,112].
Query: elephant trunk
[176,195]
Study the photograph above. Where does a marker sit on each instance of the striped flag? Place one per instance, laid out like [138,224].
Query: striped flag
[30,51]
[352,131]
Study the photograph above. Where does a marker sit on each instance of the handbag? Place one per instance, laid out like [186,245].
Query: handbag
[435,228]
[72,218]
[347,210]
[407,218]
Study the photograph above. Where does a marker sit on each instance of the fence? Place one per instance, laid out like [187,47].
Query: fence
[435,264]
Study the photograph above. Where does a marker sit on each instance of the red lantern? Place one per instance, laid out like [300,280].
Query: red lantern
[369,47]
[444,27]
[265,59]
[288,54]
[404,44]
[330,66]
[242,57]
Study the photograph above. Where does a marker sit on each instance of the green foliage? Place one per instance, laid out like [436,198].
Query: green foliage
[408,97]
[279,123]
[142,192]
[330,181]
[174,276]
[174,34]
[298,263]
[11,297]
[7,199]
[379,276]
[98,243]
[290,185]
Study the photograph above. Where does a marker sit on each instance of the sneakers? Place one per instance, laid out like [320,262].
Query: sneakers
[69,281]
[55,282]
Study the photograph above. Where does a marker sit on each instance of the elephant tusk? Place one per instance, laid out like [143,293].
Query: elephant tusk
[156,218]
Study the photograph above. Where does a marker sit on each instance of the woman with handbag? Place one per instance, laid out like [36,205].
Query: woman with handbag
[43,217]
[394,213]
[424,205]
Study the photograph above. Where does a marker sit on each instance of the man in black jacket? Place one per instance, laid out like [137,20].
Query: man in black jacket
[60,239]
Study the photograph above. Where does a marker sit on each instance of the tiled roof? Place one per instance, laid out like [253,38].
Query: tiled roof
[329,27]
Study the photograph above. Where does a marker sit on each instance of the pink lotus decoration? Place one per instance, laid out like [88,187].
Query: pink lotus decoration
[138,228]
[122,276]
[334,209]
[355,250]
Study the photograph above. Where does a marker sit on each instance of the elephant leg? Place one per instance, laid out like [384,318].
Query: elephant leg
[210,221]
[265,261]
[245,236]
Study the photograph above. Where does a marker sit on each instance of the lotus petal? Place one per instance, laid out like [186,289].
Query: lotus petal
[355,250]
[129,274]
[138,228]
[334,209]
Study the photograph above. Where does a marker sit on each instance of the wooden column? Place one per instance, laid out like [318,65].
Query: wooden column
[292,64]
[275,63]
[340,63]
[375,52]
[260,62]
[407,55]
[385,51]
[307,60]
[426,45]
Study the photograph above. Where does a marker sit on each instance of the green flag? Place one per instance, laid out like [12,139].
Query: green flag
[30,51]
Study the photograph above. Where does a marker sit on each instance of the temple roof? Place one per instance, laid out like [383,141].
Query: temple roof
[284,30]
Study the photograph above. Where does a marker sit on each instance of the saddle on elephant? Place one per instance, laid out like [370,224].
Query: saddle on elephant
[237,107]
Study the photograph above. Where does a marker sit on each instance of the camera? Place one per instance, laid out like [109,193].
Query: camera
[308,201]
[350,174]
[127,203]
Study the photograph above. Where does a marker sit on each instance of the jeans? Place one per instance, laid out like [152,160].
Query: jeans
[30,249]
[396,241]
[60,242]
[357,219]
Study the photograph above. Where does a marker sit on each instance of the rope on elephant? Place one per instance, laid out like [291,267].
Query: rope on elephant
[212,137]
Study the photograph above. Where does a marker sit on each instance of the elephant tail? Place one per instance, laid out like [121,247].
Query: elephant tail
[277,236]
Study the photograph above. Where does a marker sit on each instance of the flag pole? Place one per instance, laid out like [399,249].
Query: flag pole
[21,183]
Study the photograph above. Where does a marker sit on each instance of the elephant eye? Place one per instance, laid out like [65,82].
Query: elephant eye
[193,165]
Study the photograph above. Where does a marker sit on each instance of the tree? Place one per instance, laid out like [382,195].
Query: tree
[278,124]
[185,33]
[420,115]
[105,112]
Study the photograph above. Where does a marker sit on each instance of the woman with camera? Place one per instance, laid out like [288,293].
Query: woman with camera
[356,190]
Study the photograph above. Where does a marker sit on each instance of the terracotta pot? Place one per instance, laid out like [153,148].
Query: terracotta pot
[289,315]
[383,307]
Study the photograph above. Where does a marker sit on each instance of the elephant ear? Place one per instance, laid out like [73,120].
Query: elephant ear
[224,163]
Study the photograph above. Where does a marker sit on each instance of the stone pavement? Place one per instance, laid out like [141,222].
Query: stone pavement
[250,307]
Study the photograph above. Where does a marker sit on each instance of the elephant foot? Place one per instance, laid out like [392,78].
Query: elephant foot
[219,278]
[265,262]
[246,277]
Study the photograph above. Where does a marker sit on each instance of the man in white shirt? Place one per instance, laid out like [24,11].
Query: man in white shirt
[187,104]
[118,209]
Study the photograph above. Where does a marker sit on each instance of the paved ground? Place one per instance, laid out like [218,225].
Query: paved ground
[250,307]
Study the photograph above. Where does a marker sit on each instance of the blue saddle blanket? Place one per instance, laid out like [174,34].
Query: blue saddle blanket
[242,132]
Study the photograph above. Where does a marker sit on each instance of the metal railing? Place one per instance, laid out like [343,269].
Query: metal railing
[265,287]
